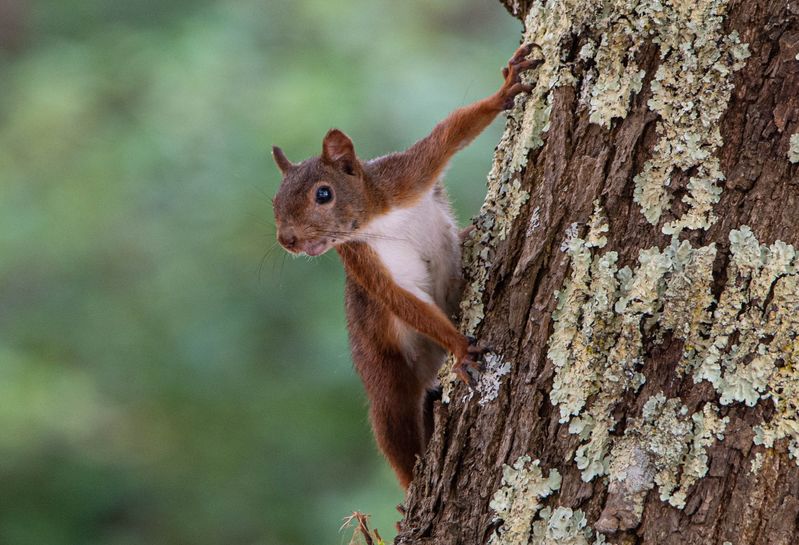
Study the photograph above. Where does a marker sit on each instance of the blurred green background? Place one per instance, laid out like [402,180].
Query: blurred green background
[167,375]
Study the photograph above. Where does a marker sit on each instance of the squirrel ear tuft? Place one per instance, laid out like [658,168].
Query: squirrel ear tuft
[337,149]
[280,159]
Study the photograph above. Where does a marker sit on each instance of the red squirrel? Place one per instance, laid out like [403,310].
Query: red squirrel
[390,221]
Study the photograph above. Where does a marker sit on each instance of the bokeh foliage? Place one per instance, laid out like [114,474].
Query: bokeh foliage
[166,375]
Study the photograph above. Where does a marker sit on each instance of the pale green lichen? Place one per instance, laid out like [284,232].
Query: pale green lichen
[569,345]
[754,352]
[666,447]
[746,344]
[518,499]
[707,428]
[617,75]
[489,381]
[783,389]
[550,26]
[687,299]
[597,227]
[597,350]
[547,26]
[596,344]
[757,463]
[690,92]
[562,526]
[501,207]
[535,222]
[793,150]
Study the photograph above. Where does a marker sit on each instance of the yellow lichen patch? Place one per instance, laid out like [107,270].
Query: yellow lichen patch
[518,500]
[690,92]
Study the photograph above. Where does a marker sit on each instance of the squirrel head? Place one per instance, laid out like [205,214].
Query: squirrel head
[321,201]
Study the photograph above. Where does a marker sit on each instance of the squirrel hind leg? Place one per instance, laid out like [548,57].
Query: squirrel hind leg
[398,423]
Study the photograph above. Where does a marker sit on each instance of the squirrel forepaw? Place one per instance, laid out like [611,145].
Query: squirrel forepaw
[471,365]
[513,85]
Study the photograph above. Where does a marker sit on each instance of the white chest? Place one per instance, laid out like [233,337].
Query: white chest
[418,246]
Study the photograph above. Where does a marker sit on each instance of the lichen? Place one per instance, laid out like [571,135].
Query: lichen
[690,92]
[488,383]
[547,26]
[596,345]
[518,499]
[793,150]
[666,447]
[687,300]
[757,463]
[561,526]
[707,428]
[535,222]
[754,353]
[631,478]
[569,235]
[502,205]
[746,344]
[597,227]
[618,77]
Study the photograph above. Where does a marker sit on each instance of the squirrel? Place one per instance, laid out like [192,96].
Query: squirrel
[390,221]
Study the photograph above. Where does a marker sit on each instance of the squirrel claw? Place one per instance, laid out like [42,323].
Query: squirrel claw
[511,73]
[472,364]
[462,372]
[523,51]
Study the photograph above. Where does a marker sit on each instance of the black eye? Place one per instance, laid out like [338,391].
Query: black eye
[324,194]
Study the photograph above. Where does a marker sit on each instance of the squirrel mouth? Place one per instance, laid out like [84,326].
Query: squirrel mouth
[314,249]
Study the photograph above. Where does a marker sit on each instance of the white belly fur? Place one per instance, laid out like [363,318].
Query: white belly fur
[419,247]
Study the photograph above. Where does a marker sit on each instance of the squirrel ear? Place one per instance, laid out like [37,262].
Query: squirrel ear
[337,149]
[280,159]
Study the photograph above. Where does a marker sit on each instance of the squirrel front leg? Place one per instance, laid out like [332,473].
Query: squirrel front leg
[413,171]
[365,267]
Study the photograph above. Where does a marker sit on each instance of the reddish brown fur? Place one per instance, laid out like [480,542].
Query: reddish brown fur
[374,301]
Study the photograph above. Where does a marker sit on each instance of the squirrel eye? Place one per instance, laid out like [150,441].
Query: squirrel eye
[324,194]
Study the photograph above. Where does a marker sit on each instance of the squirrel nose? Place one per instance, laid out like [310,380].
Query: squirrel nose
[287,240]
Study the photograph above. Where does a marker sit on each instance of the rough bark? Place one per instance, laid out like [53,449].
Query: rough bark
[750,493]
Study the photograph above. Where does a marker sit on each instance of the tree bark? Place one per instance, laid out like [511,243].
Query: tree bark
[647,180]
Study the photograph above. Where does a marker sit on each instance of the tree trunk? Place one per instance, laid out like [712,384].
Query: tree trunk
[633,269]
